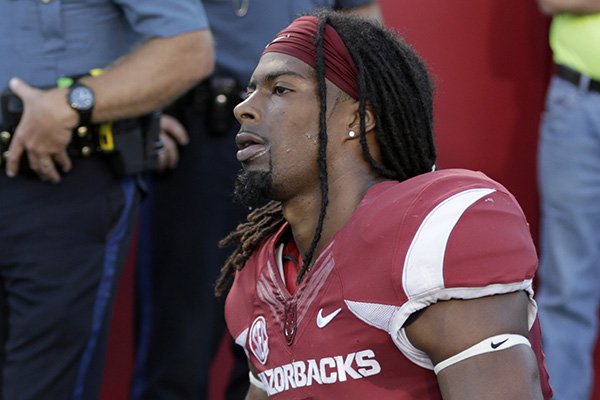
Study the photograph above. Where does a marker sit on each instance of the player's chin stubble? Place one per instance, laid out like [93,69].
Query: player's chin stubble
[253,188]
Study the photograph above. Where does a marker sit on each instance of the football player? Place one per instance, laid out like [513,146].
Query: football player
[362,272]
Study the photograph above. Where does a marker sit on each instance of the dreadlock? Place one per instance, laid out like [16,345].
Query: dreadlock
[260,223]
[394,83]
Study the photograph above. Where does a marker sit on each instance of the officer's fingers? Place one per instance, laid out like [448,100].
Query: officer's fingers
[170,151]
[174,128]
[44,167]
[164,154]
[15,152]
[20,88]
[63,160]
[50,172]
[167,159]
[173,157]
[162,160]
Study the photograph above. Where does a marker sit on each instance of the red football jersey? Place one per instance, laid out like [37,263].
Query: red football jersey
[450,234]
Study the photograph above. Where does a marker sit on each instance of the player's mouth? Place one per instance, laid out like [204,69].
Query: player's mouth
[250,146]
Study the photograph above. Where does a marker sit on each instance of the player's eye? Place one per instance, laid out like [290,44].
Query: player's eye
[280,90]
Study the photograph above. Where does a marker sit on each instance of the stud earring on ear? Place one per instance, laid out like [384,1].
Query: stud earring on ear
[352,134]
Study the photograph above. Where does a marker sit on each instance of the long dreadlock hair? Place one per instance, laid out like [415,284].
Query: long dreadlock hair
[394,82]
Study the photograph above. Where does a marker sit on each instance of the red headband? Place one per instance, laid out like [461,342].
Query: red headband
[298,40]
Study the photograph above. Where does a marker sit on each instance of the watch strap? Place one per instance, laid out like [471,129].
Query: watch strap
[85,117]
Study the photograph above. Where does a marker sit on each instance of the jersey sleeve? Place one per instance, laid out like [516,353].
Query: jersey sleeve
[474,243]
[164,18]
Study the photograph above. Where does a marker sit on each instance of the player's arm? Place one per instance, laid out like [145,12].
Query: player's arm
[552,7]
[448,328]
[255,390]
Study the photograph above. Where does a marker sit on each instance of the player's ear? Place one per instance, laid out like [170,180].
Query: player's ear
[354,125]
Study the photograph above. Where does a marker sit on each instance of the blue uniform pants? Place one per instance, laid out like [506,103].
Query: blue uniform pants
[62,251]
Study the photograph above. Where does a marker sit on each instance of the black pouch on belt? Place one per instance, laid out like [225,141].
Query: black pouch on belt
[225,94]
[135,144]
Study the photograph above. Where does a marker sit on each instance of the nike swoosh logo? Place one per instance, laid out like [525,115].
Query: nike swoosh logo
[496,345]
[322,321]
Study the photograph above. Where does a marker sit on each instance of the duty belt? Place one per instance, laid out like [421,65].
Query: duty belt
[82,144]
[129,145]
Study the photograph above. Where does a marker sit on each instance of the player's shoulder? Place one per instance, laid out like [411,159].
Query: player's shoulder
[436,186]
[392,200]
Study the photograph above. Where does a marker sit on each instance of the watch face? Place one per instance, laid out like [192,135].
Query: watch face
[81,98]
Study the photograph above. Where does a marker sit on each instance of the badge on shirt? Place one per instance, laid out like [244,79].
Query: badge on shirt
[259,340]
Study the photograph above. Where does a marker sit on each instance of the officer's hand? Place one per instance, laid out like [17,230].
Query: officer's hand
[172,135]
[44,131]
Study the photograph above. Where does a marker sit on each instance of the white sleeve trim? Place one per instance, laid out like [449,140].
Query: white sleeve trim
[257,382]
[241,340]
[279,261]
[392,318]
[424,263]
[491,344]
[419,357]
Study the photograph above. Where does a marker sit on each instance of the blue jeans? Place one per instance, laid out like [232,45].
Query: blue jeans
[569,183]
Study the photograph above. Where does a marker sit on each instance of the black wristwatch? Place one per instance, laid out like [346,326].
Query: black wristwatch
[82,99]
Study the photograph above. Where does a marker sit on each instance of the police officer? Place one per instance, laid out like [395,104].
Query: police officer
[190,208]
[66,221]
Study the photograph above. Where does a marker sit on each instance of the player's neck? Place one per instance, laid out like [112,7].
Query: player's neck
[345,194]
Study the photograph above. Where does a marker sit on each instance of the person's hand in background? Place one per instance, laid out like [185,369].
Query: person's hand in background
[172,135]
[43,133]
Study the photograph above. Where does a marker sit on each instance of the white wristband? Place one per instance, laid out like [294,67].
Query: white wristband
[494,343]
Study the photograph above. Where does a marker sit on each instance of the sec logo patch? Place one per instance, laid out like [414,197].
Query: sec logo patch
[259,340]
